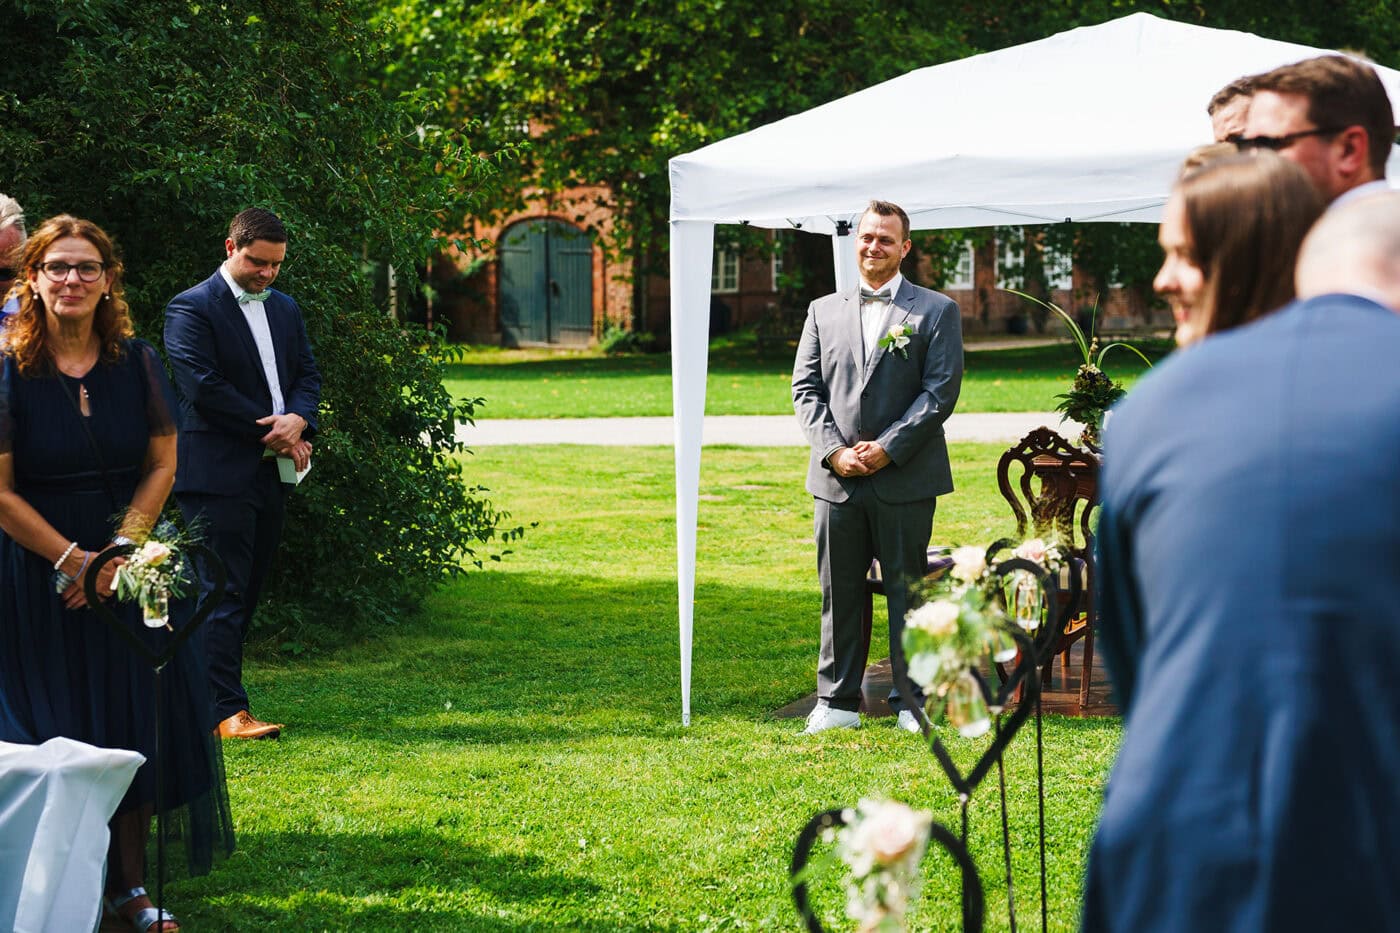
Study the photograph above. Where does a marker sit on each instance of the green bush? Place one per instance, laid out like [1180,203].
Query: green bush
[616,341]
[161,119]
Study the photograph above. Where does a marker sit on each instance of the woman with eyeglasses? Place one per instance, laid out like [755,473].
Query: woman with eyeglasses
[1230,234]
[87,459]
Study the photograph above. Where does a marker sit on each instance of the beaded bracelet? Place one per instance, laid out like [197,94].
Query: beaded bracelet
[72,546]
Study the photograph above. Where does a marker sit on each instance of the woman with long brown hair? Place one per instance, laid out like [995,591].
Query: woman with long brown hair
[87,459]
[1230,234]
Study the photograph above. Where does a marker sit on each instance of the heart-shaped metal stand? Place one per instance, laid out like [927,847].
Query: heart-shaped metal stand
[157,661]
[972,899]
[1033,654]
[1026,670]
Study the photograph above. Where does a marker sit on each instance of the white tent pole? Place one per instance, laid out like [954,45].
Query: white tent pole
[692,248]
[843,257]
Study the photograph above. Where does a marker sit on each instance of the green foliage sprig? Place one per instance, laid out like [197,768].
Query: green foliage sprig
[1092,393]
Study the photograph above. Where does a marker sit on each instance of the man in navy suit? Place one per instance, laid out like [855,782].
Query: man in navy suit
[1249,547]
[877,373]
[249,392]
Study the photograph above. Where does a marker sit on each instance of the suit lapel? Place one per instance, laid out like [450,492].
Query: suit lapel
[849,327]
[897,313]
[238,323]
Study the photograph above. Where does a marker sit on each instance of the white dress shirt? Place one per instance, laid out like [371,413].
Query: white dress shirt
[256,316]
[874,313]
[1379,186]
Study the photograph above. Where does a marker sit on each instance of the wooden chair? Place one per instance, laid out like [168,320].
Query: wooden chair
[1052,488]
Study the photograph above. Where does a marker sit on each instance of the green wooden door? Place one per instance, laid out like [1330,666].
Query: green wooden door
[546,284]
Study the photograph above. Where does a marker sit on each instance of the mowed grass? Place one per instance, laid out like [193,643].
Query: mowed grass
[549,384]
[514,760]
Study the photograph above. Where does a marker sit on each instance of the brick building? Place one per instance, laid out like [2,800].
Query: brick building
[549,282]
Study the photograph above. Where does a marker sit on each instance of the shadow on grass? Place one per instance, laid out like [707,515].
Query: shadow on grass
[394,881]
[558,657]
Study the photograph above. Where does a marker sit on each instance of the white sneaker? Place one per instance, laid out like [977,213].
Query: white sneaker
[908,722]
[824,717]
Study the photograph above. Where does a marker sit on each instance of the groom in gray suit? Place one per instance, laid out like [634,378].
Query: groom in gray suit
[877,373]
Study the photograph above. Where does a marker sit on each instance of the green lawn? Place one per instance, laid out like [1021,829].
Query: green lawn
[535,384]
[514,759]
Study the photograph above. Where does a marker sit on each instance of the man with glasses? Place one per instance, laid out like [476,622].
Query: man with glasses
[249,392]
[12,237]
[1330,115]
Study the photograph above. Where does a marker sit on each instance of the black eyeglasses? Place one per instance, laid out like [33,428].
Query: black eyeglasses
[1277,143]
[58,271]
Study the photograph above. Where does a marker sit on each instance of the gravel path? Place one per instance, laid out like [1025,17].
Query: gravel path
[737,430]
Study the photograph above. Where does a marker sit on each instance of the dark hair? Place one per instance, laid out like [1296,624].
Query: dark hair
[1240,87]
[255,223]
[26,337]
[1247,216]
[1341,92]
[889,209]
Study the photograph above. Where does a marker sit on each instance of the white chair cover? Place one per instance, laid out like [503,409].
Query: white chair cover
[55,802]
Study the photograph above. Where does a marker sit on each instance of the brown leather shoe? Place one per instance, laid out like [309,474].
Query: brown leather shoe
[243,726]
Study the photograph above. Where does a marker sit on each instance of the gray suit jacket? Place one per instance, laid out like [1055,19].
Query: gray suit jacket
[842,398]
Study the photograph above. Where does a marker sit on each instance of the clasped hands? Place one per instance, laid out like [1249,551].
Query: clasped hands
[863,459]
[284,438]
[74,596]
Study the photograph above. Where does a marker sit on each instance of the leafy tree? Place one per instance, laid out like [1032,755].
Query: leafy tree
[611,89]
[160,119]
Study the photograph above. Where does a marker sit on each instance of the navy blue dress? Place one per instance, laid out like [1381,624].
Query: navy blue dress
[65,672]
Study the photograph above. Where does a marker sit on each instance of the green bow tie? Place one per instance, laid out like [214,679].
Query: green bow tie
[246,297]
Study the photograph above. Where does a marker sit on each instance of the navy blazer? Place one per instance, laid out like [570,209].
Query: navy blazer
[223,390]
[1250,567]
[901,401]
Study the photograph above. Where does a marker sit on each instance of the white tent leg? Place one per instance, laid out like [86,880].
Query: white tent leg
[843,257]
[692,248]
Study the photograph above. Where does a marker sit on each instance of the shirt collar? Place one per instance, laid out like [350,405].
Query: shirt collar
[232,285]
[893,285]
[1379,186]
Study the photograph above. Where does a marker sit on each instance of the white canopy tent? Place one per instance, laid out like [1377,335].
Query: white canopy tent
[1086,125]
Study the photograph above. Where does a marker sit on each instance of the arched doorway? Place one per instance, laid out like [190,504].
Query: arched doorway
[546,279]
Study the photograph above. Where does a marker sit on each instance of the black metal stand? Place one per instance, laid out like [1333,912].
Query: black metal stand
[1026,676]
[157,663]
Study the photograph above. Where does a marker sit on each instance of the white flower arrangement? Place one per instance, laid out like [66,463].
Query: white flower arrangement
[1023,593]
[968,616]
[881,843]
[152,574]
[897,339]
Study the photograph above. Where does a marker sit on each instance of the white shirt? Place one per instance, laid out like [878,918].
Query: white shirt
[874,313]
[256,316]
[1379,186]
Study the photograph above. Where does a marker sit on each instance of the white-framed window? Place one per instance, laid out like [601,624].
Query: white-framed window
[961,275]
[1010,255]
[724,275]
[1059,269]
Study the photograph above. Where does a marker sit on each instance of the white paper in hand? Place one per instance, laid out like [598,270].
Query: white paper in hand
[287,470]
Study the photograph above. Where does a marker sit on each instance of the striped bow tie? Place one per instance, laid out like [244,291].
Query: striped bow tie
[867,295]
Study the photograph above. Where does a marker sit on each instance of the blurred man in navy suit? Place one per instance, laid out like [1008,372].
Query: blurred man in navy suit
[249,392]
[1249,548]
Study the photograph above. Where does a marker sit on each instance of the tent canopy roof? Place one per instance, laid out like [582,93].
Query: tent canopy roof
[1089,124]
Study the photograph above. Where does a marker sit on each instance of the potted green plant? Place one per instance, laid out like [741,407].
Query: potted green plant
[1092,392]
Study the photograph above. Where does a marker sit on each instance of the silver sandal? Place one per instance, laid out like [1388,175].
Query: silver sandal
[145,919]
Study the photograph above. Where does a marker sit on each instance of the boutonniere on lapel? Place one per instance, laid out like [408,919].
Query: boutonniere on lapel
[898,339]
